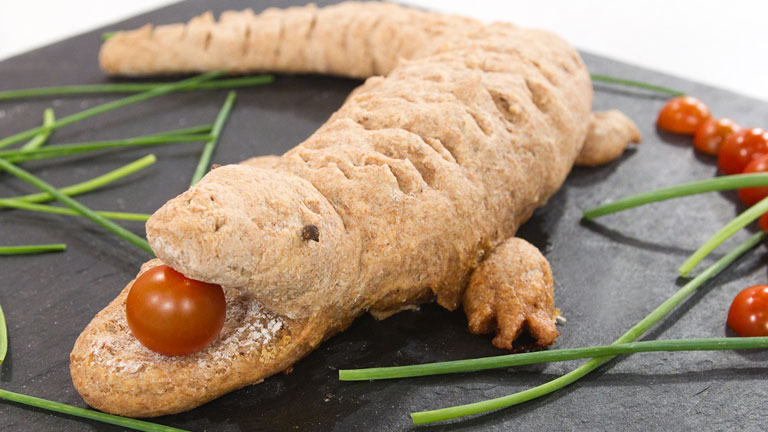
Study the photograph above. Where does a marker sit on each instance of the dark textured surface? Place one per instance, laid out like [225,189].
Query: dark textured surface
[609,274]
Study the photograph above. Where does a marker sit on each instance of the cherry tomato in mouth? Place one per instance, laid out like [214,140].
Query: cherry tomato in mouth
[753,195]
[748,315]
[740,148]
[683,115]
[710,135]
[172,314]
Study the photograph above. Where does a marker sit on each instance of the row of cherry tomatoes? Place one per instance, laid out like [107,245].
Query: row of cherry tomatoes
[738,150]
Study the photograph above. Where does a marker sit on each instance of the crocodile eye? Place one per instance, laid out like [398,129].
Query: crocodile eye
[310,232]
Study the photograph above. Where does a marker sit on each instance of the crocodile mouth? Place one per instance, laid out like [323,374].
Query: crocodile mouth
[107,355]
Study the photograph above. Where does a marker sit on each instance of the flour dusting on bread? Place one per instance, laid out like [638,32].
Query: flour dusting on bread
[248,327]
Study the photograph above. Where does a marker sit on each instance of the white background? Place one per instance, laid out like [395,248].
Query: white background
[719,43]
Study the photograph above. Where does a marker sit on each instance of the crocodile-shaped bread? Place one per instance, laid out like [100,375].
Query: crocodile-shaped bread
[413,191]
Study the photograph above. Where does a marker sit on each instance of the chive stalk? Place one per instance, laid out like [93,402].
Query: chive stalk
[739,222]
[32,249]
[17,156]
[49,118]
[638,84]
[3,336]
[100,109]
[218,84]
[192,130]
[559,355]
[12,203]
[74,205]
[94,183]
[48,405]
[721,183]
[632,334]
[205,157]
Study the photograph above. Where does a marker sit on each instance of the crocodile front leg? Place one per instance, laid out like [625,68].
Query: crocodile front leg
[512,291]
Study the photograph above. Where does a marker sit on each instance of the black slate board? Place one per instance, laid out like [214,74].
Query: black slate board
[609,274]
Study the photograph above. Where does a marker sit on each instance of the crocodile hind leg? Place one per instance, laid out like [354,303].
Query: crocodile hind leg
[512,291]
[609,134]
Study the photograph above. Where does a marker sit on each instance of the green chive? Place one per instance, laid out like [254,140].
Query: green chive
[130,423]
[193,130]
[3,337]
[709,185]
[12,203]
[559,355]
[49,118]
[133,87]
[157,91]
[31,249]
[573,376]
[205,158]
[62,150]
[638,84]
[739,222]
[94,183]
[74,205]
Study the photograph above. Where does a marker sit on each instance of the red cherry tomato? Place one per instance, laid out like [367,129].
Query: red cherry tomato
[740,148]
[172,314]
[748,315]
[711,134]
[683,115]
[751,196]
[763,222]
